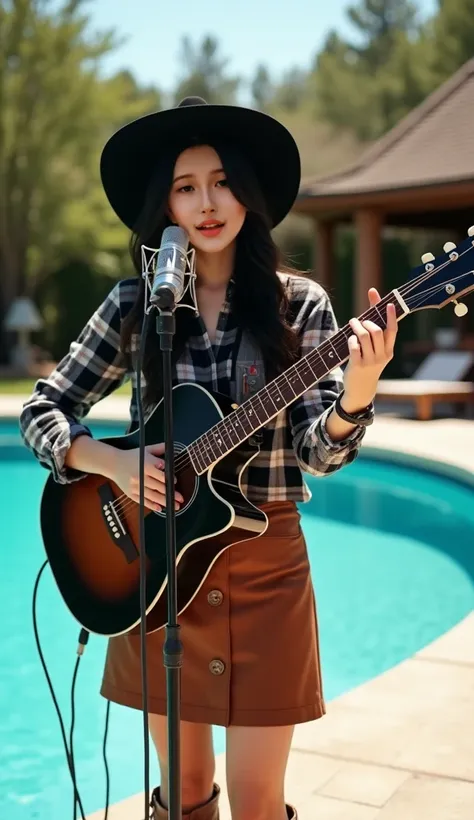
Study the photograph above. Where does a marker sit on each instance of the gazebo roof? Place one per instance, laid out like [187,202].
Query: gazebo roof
[432,146]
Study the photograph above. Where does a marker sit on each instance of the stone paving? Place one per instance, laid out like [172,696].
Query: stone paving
[400,746]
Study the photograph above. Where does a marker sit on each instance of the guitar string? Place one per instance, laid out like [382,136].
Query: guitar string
[123,501]
[120,505]
[184,458]
[209,443]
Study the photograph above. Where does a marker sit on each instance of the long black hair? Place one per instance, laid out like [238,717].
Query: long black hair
[258,299]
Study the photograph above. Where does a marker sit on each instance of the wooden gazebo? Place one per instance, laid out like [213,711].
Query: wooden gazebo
[419,175]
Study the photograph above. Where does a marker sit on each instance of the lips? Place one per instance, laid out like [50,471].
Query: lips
[210,229]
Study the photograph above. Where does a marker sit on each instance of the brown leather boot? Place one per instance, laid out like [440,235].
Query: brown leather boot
[208,811]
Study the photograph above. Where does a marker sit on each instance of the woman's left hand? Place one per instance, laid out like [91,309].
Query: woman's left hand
[371,348]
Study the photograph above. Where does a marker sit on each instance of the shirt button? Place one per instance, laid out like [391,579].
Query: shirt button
[215,597]
[217,667]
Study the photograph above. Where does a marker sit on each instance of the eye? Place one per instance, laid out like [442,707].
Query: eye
[222,182]
[184,188]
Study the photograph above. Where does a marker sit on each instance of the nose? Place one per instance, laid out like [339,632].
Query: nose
[207,203]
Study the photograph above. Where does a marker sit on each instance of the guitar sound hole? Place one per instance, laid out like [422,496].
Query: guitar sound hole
[187,483]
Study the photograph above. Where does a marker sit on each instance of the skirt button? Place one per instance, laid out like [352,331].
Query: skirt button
[215,597]
[217,667]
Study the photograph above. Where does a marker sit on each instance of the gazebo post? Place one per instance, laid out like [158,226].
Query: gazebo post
[323,254]
[368,257]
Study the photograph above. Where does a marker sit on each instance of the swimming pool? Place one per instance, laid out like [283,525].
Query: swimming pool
[392,556]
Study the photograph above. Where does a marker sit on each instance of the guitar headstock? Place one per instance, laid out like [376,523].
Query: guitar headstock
[442,279]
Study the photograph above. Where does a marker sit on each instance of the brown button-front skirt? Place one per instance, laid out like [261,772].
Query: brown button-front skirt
[250,638]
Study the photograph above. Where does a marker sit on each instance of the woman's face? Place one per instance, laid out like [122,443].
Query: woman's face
[199,195]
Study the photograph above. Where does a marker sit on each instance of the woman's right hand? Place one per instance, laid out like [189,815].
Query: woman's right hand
[125,474]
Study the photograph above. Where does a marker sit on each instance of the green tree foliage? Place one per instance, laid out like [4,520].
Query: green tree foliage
[379,23]
[393,62]
[368,84]
[261,88]
[452,36]
[57,111]
[55,114]
[204,73]
[292,91]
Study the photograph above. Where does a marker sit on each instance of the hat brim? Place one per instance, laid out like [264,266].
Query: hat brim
[130,155]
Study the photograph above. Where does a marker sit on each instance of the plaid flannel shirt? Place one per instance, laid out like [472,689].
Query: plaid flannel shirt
[294,442]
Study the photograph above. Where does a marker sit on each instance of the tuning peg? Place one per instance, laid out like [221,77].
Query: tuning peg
[471,231]
[427,257]
[460,309]
[449,246]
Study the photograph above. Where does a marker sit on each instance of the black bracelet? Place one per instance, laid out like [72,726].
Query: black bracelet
[362,419]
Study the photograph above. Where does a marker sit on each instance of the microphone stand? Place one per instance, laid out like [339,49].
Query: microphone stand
[172,649]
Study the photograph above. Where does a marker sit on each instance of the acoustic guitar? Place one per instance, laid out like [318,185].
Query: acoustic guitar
[90,529]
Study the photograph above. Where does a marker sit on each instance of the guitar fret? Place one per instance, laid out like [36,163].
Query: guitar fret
[382,318]
[252,413]
[311,369]
[231,431]
[306,372]
[281,392]
[217,439]
[330,358]
[243,410]
[224,436]
[298,385]
[238,422]
[280,397]
[284,376]
[196,458]
[206,445]
[261,400]
[197,449]
[275,408]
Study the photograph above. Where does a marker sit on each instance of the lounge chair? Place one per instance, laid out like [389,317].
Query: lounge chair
[438,378]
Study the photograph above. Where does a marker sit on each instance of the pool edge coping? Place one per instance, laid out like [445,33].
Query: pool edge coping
[439,466]
[439,650]
[397,454]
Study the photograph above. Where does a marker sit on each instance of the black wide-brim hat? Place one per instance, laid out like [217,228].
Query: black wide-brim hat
[130,155]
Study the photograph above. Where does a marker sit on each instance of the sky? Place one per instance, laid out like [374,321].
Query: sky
[282,34]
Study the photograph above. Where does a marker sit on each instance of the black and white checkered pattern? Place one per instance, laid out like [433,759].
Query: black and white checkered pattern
[295,441]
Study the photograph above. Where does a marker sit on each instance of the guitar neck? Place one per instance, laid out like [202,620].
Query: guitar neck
[276,396]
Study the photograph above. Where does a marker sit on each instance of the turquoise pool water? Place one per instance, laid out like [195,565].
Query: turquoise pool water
[392,555]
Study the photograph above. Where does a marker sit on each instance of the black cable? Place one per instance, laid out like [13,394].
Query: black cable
[82,642]
[143,634]
[84,635]
[106,765]
[71,734]
[70,762]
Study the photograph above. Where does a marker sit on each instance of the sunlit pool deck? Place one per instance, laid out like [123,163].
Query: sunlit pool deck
[401,746]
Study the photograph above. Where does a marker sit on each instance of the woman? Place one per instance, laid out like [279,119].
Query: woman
[250,637]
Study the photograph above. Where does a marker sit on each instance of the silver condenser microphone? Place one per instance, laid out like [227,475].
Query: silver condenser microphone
[168,284]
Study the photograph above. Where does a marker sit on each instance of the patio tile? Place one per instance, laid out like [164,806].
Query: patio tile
[327,808]
[307,772]
[363,783]
[416,688]
[456,646]
[433,798]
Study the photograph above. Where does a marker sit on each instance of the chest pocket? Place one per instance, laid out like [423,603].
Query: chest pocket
[248,369]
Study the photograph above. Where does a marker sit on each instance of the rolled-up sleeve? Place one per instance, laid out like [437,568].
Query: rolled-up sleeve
[316,452]
[93,368]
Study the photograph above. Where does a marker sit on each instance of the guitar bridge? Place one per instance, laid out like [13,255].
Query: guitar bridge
[115,524]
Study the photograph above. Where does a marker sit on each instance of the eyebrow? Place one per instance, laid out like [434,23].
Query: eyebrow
[185,176]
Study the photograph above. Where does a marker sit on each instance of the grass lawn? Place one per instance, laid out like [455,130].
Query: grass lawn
[25,386]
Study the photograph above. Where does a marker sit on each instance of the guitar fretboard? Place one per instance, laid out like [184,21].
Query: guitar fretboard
[259,409]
